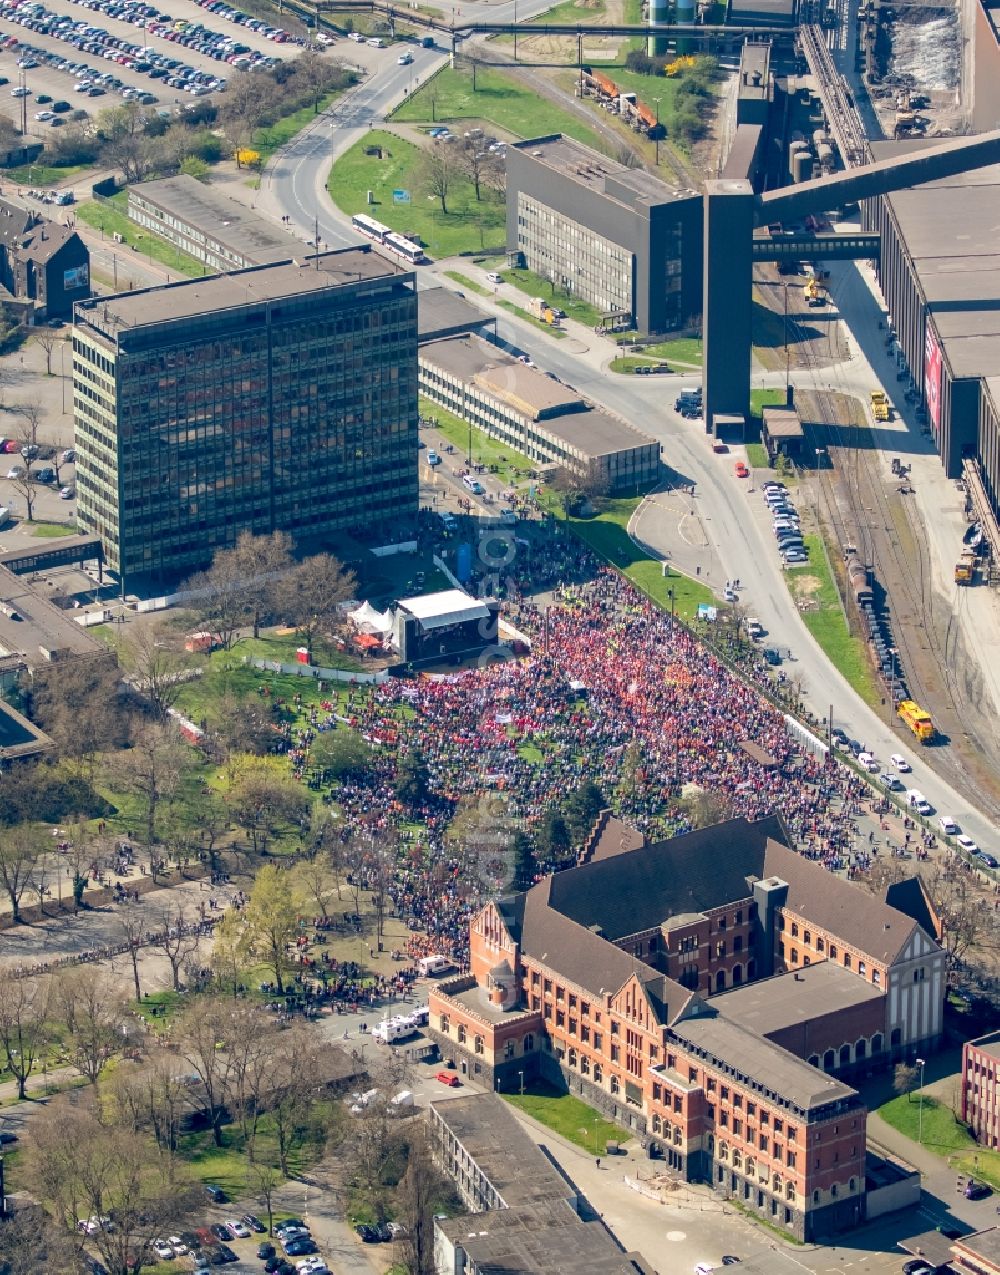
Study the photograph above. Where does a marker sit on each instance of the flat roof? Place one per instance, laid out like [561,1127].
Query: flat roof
[18,736]
[557,408]
[588,167]
[219,218]
[988,1044]
[541,1240]
[755,56]
[506,1155]
[189,298]
[982,1244]
[773,1004]
[441,312]
[41,626]
[783,422]
[746,1054]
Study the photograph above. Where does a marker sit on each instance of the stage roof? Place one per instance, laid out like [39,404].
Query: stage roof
[438,610]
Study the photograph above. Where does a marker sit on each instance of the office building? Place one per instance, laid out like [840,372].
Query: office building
[981,1089]
[616,237]
[605,978]
[208,225]
[277,398]
[541,418]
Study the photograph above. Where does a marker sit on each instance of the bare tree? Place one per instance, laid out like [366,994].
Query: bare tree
[420,1194]
[312,594]
[315,880]
[199,1031]
[883,873]
[150,1099]
[261,562]
[295,1082]
[24,1030]
[80,705]
[151,770]
[263,797]
[30,414]
[48,340]
[87,1001]
[155,669]
[21,849]
[969,923]
[177,936]
[481,167]
[904,1078]
[132,927]
[25,487]
[436,173]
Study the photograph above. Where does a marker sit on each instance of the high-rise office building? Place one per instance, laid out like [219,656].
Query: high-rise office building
[281,397]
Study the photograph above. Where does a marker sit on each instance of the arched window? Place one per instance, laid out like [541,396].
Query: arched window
[720,981]
[751,1166]
[814,1060]
[445,1024]
[572,1057]
[776,1184]
[877,1043]
[529,1043]
[833,1189]
[815,1197]
[851,1186]
[845,1055]
[598,1074]
[795,930]
[657,1124]
[807,936]
[860,1049]
[829,1060]
[737,975]
[737,1159]
[615,1086]
[584,1065]
[789,1190]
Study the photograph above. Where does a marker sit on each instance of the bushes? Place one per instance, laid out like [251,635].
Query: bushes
[47,793]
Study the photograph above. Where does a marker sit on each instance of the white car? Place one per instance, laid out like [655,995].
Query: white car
[44,115]
[967,844]
[869,762]
[890,783]
[178,1245]
[901,764]
[238,1228]
[20,91]
[796,556]
[163,1250]
[405,59]
[15,471]
[948,826]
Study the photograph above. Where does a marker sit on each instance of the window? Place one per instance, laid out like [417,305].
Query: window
[779,1124]
[795,930]
[862,969]
[598,1073]
[461,1033]
[820,944]
[720,948]
[738,943]
[480,1045]
[738,918]
[508,1049]
[847,960]
[876,977]
[529,1043]
[919,975]
[806,936]
[445,1024]
[833,952]
[790,1158]
[615,1086]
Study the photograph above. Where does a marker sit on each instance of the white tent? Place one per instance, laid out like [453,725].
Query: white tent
[367,620]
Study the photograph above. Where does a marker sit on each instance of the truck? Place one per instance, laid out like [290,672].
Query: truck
[965,568]
[881,407]
[917,719]
[815,293]
[391,1030]
[539,308]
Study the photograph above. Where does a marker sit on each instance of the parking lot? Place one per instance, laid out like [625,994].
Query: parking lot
[128,49]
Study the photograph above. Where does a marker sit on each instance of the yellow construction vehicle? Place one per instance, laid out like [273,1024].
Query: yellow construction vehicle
[881,407]
[917,719]
[965,568]
[814,292]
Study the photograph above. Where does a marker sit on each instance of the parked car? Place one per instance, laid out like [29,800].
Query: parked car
[254,1223]
[215,1193]
[448,1078]
[977,1190]
[265,1250]
[967,844]
[741,469]
[239,1228]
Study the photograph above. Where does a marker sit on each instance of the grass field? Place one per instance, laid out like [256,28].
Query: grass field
[759,399]
[469,224]
[485,450]
[43,174]
[568,1116]
[939,1131]
[685,349]
[827,623]
[757,456]
[466,282]
[268,140]
[111,217]
[565,12]
[607,535]
[533,285]
[629,362]
[498,102]
[52,530]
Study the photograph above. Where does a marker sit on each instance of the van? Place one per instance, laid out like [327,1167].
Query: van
[430,966]
[357,37]
[448,521]
[375,43]
[427,42]
[394,1029]
[494,278]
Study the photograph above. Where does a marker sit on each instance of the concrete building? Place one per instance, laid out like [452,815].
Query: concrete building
[542,418]
[604,978]
[210,226]
[524,1214]
[282,397]
[616,237]
[981,1088]
[442,312]
[42,262]
[985,112]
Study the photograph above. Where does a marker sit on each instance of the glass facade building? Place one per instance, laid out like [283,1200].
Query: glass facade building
[283,397]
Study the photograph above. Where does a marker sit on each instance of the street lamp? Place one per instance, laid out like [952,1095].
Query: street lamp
[920,1108]
[656,132]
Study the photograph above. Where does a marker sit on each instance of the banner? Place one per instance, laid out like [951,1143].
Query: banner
[932,378]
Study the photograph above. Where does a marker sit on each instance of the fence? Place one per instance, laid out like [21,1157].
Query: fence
[314,671]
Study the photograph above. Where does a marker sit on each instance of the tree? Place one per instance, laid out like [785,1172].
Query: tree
[174,934]
[883,873]
[230,953]
[436,173]
[149,1099]
[481,836]
[421,1192]
[201,1036]
[272,920]
[968,922]
[481,167]
[21,849]
[905,1078]
[247,101]
[524,861]
[581,808]
[132,928]
[152,770]
[248,1047]
[24,1031]
[315,880]
[24,485]
[48,340]
[263,796]
[553,836]
[88,1003]
[413,779]
[218,599]
[580,491]
[79,704]
[242,725]
[262,562]
[312,593]
[127,144]
[30,414]
[78,1167]
[194,166]
[295,1081]
[704,808]
[340,754]
[31,1244]
[155,670]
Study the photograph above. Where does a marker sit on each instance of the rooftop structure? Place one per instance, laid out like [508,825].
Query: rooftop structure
[33,627]
[210,226]
[768,1007]
[442,312]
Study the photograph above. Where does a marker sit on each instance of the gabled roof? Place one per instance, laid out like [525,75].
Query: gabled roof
[910,896]
[641,889]
[849,911]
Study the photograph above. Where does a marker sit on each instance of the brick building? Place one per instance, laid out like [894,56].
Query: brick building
[981,1088]
[608,977]
[42,262]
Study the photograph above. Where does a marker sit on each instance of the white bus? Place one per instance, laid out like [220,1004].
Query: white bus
[404,248]
[370,227]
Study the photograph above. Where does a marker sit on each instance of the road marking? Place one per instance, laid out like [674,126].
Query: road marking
[676,1237]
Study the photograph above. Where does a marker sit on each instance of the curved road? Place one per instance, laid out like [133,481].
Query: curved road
[295,186]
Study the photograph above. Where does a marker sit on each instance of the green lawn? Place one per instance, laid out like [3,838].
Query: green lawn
[827,622]
[268,140]
[466,282]
[568,1116]
[685,349]
[606,534]
[757,456]
[941,1132]
[558,333]
[498,102]
[629,362]
[485,450]
[43,174]
[51,530]
[226,1166]
[759,399]
[565,12]
[468,225]
[111,217]
[533,285]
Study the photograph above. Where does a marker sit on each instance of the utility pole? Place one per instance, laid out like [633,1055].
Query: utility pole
[656,131]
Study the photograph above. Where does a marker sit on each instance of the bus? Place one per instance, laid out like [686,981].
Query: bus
[404,248]
[369,227]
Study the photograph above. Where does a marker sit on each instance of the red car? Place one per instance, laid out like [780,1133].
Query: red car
[447,1078]
[741,470]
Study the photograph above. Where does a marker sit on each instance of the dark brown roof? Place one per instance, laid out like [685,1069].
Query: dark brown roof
[615,836]
[911,897]
[14,222]
[43,241]
[849,911]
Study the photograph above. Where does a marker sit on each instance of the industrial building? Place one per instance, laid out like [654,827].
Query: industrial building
[616,237]
[208,225]
[981,1089]
[985,110]
[282,397]
[606,979]
[42,263]
[542,418]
